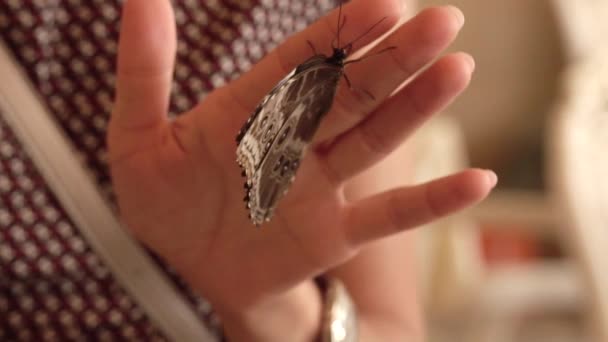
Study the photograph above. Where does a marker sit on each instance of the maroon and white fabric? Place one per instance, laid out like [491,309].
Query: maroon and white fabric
[53,284]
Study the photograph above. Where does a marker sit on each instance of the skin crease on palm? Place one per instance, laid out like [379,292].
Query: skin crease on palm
[180,190]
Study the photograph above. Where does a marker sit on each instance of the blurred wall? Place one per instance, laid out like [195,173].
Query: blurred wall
[516,46]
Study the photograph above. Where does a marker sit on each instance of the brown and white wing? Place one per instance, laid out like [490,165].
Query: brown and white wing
[303,103]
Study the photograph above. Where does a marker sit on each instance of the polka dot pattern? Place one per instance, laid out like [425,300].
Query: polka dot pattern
[68,49]
[53,287]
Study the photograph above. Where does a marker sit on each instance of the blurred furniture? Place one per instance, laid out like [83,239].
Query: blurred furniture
[582,26]
[448,250]
[577,141]
[577,168]
[467,300]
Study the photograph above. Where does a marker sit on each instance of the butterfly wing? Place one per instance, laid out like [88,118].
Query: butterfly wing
[272,146]
[255,137]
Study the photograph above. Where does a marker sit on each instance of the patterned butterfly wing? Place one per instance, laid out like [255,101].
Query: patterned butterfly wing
[273,142]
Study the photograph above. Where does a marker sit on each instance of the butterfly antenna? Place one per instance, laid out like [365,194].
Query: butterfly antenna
[333,42]
[312,47]
[339,28]
[340,25]
[366,32]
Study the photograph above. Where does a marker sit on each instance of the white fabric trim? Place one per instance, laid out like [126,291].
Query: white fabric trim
[54,157]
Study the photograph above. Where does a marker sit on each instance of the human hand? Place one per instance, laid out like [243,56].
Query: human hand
[180,190]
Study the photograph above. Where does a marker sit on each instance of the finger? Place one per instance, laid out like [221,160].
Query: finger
[397,210]
[386,128]
[249,89]
[146,55]
[417,43]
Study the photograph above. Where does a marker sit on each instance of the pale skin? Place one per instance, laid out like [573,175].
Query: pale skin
[180,190]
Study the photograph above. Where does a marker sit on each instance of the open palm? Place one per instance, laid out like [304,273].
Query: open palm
[181,192]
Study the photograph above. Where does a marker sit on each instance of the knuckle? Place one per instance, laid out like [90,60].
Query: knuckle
[373,142]
[397,215]
[349,106]
[432,203]
[328,169]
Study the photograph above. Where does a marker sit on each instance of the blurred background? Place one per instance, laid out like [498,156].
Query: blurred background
[529,263]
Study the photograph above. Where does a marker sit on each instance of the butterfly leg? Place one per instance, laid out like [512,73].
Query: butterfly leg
[350,86]
[312,47]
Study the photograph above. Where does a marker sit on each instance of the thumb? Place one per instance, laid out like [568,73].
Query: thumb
[146,56]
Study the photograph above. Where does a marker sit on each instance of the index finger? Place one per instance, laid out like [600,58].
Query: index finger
[360,15]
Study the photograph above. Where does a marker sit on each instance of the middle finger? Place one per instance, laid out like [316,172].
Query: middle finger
[417,43]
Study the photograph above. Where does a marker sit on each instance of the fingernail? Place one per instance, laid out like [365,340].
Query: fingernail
[492,178]
[458,14]
[470,62]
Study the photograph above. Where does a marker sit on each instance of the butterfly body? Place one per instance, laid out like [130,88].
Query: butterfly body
[274,140]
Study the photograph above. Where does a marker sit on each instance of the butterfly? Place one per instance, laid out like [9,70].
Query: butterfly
[273,141]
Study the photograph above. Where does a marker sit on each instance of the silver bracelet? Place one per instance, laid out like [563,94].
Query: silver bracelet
[339,314]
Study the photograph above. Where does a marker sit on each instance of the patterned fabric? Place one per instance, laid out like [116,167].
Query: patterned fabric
[52,285]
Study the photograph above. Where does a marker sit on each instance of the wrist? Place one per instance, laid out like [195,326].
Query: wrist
[295,313]
[385,327]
